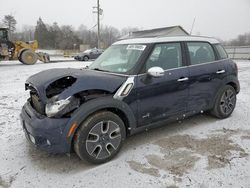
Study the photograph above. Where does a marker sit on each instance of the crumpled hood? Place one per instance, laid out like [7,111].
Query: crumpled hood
[85,80]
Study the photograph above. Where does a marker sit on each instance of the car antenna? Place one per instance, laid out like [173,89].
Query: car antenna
[192,26]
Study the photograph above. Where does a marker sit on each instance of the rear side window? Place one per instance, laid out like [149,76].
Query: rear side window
[200,52]
[221,51]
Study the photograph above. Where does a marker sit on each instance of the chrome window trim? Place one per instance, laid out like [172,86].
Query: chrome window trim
[208,62]
[186,66]
[133,75]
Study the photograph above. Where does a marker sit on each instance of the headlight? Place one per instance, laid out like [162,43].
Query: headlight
[61,107]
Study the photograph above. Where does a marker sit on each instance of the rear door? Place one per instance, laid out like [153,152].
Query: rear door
[163,97]
[206,75]
[93,54]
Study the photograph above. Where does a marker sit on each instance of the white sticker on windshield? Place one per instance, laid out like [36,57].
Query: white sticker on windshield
[136,47]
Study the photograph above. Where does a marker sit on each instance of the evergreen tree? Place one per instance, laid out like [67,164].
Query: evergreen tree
[42,34]
[55,35]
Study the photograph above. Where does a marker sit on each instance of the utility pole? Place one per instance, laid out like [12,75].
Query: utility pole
[98,12]
[98,23]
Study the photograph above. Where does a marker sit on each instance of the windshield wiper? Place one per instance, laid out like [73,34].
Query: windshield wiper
[97,69]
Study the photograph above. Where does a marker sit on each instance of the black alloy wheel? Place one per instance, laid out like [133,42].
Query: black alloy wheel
[225,102]
[100,137]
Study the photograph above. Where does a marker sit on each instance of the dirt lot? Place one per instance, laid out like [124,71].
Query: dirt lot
[198,152]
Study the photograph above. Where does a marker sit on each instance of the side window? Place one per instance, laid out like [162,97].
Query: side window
[1,34]
[200,52]
[166,56]
[221,51]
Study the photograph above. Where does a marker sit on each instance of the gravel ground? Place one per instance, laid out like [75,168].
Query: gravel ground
[198,152]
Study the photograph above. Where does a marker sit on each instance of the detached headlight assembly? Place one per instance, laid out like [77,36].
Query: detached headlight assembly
[61,107]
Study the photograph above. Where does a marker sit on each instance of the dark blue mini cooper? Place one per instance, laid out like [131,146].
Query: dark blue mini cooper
[133,86]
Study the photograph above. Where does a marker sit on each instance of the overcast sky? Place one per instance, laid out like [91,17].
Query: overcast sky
[219,18]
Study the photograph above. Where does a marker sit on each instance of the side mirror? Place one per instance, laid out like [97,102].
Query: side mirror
[156,72]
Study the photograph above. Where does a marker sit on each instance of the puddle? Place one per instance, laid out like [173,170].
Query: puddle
[177,162]
[6,183]
[143,169]
[179,153]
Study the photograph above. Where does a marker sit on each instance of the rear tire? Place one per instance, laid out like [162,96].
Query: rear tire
[28,57]
[225,102]
[100,137]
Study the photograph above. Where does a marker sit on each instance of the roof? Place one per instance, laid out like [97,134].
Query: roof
[158,32]
[167,39]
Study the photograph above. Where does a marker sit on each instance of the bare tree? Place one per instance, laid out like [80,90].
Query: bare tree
[68,38]
[109,35]
[26,34]
[128,30]
[241,40]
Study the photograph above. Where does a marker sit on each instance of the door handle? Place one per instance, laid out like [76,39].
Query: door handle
[183,79]
[220,71]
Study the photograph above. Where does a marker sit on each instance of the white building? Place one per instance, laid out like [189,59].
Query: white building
[159,32]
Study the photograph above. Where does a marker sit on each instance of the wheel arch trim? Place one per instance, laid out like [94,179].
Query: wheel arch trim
[227,81]
[95,105]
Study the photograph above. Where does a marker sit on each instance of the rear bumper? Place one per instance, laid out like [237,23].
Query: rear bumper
[45,133]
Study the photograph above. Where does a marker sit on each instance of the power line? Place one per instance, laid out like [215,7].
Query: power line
[93,27]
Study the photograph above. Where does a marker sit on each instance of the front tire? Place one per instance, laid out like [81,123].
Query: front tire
[85,58]
[100,137]
[224,103]
[28,57]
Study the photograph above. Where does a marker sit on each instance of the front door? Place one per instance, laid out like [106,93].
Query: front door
[166,96]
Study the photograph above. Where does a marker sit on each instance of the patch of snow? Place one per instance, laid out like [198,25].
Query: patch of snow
[21,165]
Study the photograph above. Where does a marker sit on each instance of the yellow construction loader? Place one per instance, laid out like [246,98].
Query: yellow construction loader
[25,52]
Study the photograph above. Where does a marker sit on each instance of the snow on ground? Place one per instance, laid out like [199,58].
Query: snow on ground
[199,152]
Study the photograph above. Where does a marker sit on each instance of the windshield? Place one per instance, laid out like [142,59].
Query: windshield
[87,51]
[3,34]
[119,58]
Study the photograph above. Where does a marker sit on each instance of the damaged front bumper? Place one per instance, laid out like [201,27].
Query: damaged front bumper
[45,133]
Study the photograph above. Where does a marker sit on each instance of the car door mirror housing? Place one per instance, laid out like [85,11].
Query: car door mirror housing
[156,72]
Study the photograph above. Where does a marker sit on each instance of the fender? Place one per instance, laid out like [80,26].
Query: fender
[20,52]
[94,105]
[233,79]
[228,79]
[85,80]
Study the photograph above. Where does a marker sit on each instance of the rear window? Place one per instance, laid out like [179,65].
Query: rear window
[221,51]
[200,52]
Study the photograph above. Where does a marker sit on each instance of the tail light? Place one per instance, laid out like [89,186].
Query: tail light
[236,67]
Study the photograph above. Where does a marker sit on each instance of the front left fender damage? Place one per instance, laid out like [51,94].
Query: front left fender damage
[69,88]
